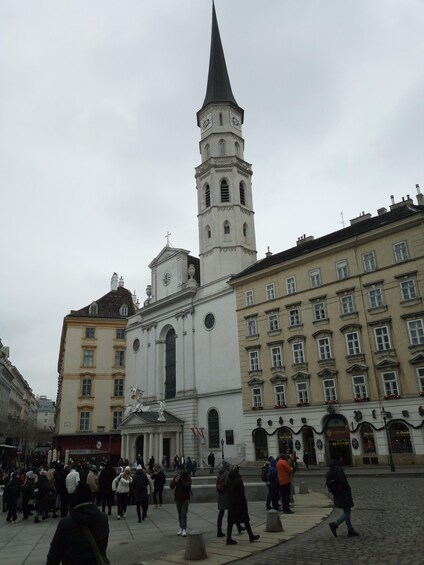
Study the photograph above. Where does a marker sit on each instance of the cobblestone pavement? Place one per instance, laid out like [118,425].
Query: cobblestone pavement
[388,514]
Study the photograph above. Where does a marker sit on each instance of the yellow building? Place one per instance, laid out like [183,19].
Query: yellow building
[90,401]
[331,336]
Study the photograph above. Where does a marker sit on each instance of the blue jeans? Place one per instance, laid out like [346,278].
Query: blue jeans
[345,517]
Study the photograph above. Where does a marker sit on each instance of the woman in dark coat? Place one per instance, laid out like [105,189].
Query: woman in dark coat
[339,487]
[11,495]
[237,506]
[159,480]
[141,492]
[106,495]
[41,492]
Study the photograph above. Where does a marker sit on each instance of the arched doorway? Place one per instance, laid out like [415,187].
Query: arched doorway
[261,445]
[367,439]
[309,445]
[338,439]
[285,441]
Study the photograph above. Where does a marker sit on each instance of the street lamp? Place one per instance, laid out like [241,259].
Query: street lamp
[222,449]
[389,446]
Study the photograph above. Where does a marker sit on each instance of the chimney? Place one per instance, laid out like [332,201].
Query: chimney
[360,218]
[268,253]
[114,282]
[381,211]
[420,196]
[304,239]
[121,282]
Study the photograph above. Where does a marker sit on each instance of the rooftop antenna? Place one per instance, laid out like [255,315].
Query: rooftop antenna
[342,222]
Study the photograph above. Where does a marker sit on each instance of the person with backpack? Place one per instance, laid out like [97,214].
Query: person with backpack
[273,485]
[337,484]
[141,493]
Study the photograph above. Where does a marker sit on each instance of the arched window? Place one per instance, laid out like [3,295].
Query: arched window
[220,119]
[222,148]
[225,191]
[207,196]
[237,148]
[123,311]
[245,230]
[285,441]
[367,438]
[207,151]
[170,365]
[213,429]
[400,438]
[226,227]
[242,194]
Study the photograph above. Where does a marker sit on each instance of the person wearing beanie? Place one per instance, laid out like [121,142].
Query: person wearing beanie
[71,542]
[106,477]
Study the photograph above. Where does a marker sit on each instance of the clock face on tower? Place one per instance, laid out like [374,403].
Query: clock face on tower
[206,122]
[235,120]
[166,279]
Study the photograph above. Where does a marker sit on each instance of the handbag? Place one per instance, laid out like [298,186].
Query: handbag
[101,558]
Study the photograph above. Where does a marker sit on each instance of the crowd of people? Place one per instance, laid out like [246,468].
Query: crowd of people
[50,491]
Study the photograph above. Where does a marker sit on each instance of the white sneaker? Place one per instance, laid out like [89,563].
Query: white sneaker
[118,517]
[125,515]
[180,531]
[184,533]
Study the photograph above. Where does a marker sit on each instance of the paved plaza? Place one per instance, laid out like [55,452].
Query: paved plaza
[388,514]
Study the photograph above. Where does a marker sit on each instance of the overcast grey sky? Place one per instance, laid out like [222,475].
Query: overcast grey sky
[98,136]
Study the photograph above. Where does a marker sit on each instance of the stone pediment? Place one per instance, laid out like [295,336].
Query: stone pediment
[301,376]
[327,373]
[357,368]
[416,359]
[166,254]
[384,363]
[255,381]
[150,418]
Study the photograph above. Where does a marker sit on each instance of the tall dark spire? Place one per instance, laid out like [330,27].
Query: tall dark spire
[219,87]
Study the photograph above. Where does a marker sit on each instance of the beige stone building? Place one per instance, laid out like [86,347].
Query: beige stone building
[91,387]
[331,337]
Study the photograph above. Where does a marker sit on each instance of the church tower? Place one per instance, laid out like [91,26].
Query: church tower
[227,241]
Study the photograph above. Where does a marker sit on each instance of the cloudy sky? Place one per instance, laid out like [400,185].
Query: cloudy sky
[98,136]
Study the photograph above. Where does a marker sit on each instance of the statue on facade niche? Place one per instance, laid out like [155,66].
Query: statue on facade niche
[137,395]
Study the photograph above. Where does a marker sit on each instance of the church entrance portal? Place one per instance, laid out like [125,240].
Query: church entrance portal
[309,445]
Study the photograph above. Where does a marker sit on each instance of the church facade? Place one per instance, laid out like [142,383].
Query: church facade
[183,387]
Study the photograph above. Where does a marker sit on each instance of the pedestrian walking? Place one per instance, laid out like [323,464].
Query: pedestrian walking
[93,482]
[339,487]
[41,492]
[306,459]
[237,506]
[121,485]
[159,480]
[181,485]
[106,478]
[189,466]
[222,495]
[141,493]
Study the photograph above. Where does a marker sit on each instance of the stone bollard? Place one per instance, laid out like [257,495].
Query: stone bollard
[195,549]
[273,522]
[303,488]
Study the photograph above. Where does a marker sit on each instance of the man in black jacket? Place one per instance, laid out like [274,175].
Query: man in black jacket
[71,544]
